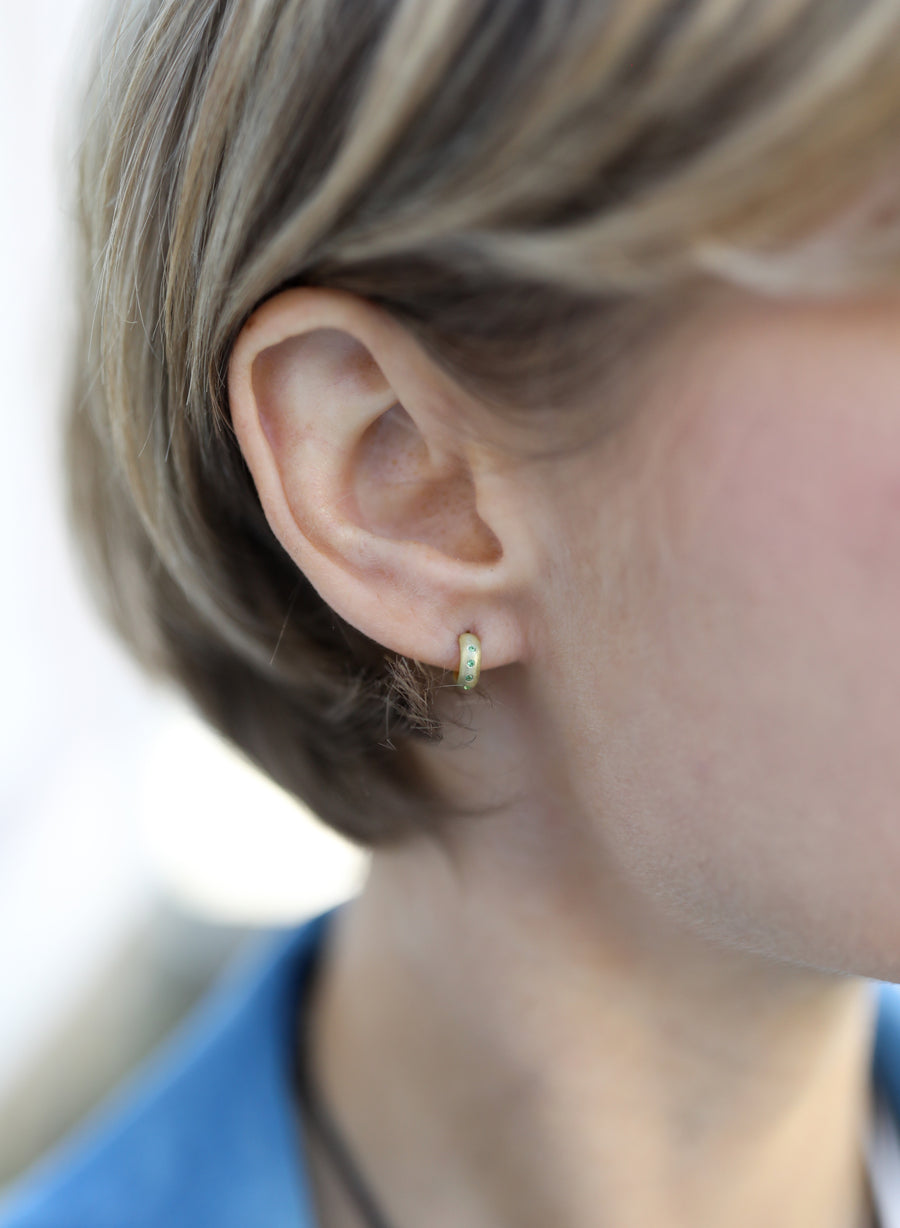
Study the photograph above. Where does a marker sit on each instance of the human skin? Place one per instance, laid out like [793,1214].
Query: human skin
[634,994]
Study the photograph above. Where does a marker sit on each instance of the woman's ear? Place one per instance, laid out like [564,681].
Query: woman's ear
[410,530]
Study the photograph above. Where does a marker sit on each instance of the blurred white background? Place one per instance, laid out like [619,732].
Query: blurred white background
[135,850]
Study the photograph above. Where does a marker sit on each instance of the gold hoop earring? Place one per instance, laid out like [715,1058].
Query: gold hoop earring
[469,660]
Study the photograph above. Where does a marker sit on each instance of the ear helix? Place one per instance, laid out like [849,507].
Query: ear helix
[469,660]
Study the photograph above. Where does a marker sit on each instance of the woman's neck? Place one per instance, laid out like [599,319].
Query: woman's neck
[500,1050]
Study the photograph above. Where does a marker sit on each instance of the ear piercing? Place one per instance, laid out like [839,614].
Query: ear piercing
[469,660]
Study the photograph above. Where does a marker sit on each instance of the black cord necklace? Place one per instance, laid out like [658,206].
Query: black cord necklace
[310,1096]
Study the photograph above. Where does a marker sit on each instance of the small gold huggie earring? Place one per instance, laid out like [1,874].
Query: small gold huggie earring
[469,660]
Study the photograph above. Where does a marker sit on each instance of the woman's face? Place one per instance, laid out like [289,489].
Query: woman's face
[722,609]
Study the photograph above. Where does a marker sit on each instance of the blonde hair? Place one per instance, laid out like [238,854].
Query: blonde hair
[534,188]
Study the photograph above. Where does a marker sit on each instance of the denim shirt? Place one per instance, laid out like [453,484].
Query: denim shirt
[205,1134]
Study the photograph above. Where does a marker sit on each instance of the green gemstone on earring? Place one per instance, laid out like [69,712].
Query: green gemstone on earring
[469,677]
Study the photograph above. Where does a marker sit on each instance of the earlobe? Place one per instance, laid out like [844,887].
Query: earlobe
[364,485]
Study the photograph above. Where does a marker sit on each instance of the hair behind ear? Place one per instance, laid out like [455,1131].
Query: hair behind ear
[323,710]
